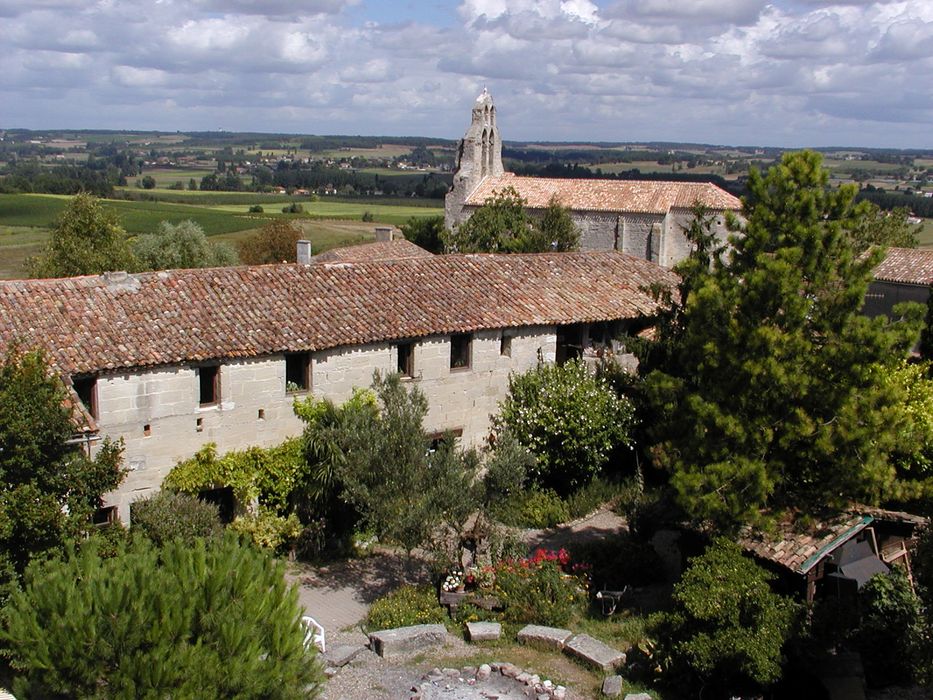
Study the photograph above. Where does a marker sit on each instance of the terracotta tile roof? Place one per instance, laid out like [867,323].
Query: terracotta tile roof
[633,196]
[801,550]
[399,249]
[120,321]
[907,266]
[795,550]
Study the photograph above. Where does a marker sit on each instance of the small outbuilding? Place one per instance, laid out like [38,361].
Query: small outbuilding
[837,555]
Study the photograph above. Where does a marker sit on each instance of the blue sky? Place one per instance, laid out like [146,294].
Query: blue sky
[791,73]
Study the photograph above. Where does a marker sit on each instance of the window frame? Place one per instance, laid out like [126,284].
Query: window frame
[406,368]
[304,358]
[505,344]
[455,340]
[92,404]
[215,385]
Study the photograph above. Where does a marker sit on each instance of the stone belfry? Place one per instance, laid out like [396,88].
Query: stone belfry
[479,156]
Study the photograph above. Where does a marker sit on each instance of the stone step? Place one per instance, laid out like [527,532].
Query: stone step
[406,639]
[483,631]
[551,637]
[342,655]
[594,652]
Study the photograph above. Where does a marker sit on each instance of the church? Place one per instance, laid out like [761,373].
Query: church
[644,218]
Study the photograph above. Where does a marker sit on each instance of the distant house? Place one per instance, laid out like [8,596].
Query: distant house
[169,361]
[836,556]
[905,274]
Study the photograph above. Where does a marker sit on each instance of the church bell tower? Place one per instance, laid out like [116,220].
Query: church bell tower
[479,155]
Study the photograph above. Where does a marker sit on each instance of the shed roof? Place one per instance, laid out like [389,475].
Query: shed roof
[906,266]
[633,196]
[118,321]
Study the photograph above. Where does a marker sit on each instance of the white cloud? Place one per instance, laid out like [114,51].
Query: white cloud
[705,70]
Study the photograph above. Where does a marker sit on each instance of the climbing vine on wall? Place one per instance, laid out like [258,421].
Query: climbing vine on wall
[268,475]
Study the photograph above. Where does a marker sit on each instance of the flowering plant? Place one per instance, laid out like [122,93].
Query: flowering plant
[453,581]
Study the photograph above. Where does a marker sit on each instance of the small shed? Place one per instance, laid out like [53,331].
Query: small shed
[905,274]
[836,555]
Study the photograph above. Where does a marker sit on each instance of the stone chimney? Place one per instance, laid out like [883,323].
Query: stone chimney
[384,233]
[304,252]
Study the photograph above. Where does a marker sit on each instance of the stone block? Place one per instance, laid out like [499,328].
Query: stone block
[342,655]
[593,652]
[405,639]
[483,631]
[637,696]
[551,637]
[612,686]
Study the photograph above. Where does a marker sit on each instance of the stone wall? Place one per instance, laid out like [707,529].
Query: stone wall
[156,412]
[675,246]
[598,230]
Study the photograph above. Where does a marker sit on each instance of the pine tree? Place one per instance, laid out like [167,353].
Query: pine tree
[190,620]
[770,395]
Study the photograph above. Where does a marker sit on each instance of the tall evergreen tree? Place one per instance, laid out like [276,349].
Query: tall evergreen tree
[769,394]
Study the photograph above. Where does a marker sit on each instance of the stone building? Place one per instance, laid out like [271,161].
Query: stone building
[645,218]
[169,361]
[905,274]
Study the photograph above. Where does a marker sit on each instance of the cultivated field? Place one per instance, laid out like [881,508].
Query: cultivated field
[25,219]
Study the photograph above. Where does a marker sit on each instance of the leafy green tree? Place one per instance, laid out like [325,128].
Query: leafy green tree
[87,239]
[769,392]
[571,420]
[404,492]
[494,227]
[426,232]
[148,182]
[50,489]
[275,242]
[726,629]
[189,620]
[555,231]
[891,632]
[179,246]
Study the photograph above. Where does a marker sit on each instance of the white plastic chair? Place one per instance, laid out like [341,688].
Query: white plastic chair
[314,633]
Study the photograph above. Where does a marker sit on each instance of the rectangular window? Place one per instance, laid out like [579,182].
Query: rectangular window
[86,389]
[297,372]
[406,359]
[104,516]
[569,343]
[505,345]
[447,438]
[460,346]
[208,384]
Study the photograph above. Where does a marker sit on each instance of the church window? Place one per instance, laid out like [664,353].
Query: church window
[460,346]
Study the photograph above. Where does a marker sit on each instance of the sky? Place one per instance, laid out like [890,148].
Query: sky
[790,73]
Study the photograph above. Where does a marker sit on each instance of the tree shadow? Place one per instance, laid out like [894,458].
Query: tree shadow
[370,577]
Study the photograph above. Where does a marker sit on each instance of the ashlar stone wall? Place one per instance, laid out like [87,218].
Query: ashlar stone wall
[157,415]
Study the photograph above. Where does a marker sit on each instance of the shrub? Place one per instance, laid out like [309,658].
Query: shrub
[890,634]
[541,509]
[571,420]
[293,208]
[408,605]
[186,621]
[167,516]
[727,628]
[367,216]
[539,590]
[268,530]
[594,494]
[256,209]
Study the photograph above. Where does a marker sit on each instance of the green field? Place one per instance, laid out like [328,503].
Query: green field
[926,234]
[169,176]
[26,218]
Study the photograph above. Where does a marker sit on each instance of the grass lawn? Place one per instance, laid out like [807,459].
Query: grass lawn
[16,244]
[926,234]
